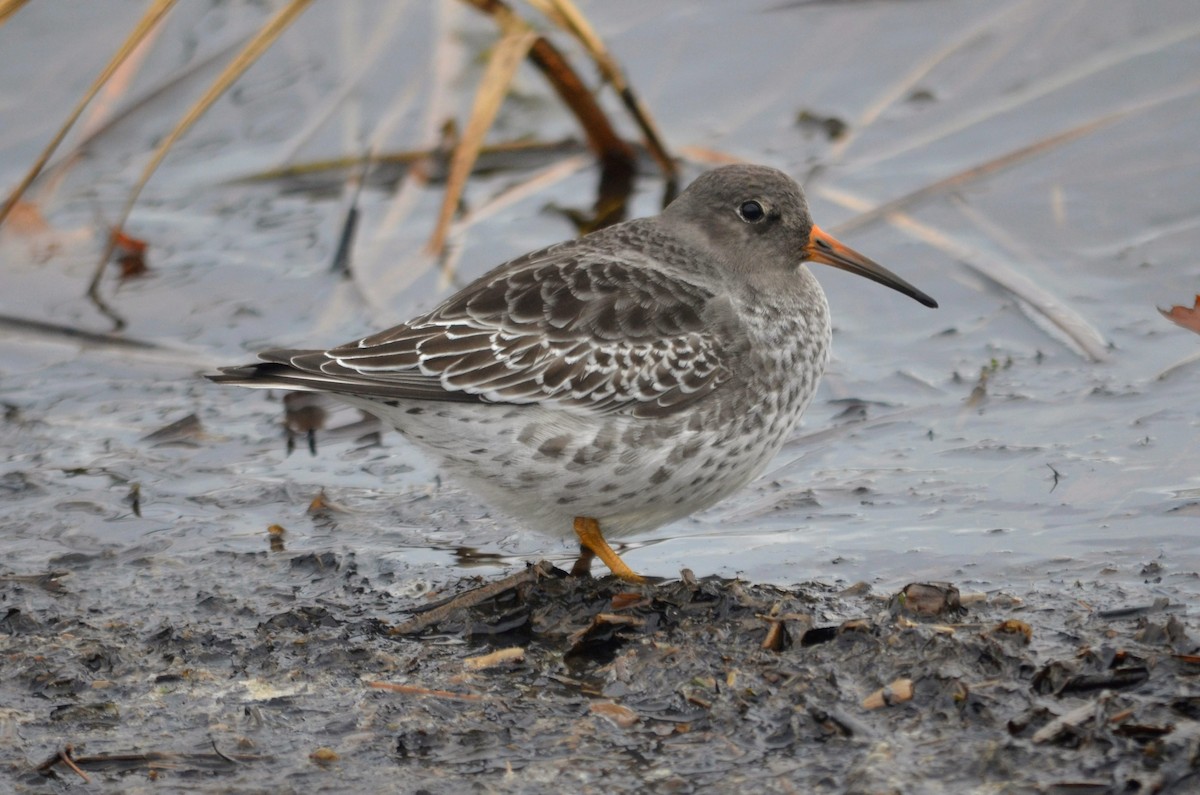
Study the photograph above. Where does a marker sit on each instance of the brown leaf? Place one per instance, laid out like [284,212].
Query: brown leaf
[1185,317]
[620,715]
[130,253]
[324,756]
[1012,626]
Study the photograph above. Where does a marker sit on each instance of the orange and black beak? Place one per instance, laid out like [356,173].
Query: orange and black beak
[824,248]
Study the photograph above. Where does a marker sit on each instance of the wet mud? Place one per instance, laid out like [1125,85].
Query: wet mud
[328,677]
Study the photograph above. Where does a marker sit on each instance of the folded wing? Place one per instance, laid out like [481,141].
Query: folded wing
[582,331]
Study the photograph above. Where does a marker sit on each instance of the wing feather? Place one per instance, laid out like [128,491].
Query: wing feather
[565,326]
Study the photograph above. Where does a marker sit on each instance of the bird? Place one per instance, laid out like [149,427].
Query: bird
[615,382]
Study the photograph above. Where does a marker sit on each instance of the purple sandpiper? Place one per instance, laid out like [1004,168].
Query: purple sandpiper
[615,382]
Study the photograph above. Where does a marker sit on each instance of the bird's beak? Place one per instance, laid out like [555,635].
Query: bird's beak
[824,248]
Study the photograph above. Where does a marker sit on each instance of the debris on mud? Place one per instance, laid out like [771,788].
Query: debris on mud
[541,681]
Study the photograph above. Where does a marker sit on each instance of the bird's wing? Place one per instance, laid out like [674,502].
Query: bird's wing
[573,329]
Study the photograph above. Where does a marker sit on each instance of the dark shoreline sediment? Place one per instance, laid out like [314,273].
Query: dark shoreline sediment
[597,685]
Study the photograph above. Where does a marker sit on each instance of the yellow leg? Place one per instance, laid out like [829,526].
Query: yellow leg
[588,530]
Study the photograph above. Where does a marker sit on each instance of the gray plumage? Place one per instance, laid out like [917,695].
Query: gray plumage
[633,376]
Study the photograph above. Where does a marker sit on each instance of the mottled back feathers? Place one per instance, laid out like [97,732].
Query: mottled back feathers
[569,325]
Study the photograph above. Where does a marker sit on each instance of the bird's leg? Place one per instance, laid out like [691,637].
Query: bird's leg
[588,530]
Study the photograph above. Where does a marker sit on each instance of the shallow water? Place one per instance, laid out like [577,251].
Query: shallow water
[895,472]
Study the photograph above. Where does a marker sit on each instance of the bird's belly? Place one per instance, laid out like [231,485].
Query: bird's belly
[546,466]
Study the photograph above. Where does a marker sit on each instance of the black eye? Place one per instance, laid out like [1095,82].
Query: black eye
[752,212]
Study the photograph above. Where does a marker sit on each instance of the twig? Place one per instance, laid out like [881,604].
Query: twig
[1071,720]
[41,327]
[151,760]
[538,181]
[567,15]
[495,658]
[341,257]
[1056,475]
[967,176]
[217,751]
[360,63]
[416,690]
[1180,365]
[507,55]
[174,355]
[10,7]
[69,762]
[616,156]
[90,133]
[433,615]
[614,153]
[505,152]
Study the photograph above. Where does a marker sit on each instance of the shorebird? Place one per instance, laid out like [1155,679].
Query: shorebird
[616,382]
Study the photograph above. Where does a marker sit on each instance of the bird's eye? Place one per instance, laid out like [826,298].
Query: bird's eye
[752,212]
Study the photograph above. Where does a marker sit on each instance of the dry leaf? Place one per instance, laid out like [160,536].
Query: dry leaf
[1012,626]
[620,715]
[324,756]
[1185,317]
[512,654]
[130,254]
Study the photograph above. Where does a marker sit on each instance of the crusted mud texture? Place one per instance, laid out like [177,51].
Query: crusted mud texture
[324,679]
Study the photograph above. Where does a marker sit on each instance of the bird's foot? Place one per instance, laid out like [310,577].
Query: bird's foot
[592,545]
